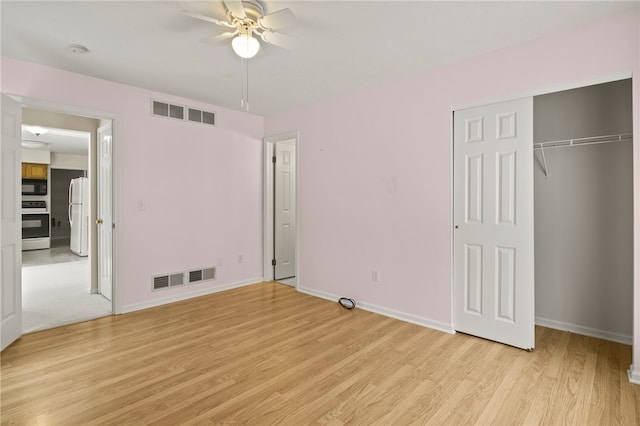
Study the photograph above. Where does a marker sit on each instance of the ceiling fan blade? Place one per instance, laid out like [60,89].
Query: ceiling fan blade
[207,18]
[279,39]
[219,37]
[276,20]
[235,7]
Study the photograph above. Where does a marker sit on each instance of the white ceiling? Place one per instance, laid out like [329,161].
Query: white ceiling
[59,140]
[343,45]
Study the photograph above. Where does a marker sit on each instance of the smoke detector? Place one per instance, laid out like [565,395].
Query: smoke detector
[78,49]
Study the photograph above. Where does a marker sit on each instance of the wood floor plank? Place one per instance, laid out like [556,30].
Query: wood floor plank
[498,403]
[266,354]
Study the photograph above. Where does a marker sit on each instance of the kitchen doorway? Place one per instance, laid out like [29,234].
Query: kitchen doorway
[59,279]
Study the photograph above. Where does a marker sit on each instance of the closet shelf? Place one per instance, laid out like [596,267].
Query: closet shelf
[624,137]
[584,141]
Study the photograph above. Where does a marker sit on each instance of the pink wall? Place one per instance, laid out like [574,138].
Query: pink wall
[201,185]
[375,165]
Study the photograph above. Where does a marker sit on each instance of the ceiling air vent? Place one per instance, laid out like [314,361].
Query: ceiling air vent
[204,117]
[166,281]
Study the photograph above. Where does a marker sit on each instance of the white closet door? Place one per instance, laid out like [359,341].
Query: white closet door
[493,220]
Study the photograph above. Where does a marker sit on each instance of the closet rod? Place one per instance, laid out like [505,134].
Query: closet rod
[584,141]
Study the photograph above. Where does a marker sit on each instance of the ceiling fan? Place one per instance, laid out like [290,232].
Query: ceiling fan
[247,19]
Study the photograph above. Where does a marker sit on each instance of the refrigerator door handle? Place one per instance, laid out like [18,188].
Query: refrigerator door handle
[70,191]
[70,200]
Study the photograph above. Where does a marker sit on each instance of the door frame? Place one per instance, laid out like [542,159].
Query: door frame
[634,370]
[35,103]
[267,202]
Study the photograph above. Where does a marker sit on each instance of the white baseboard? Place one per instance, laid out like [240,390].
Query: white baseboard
[402,316]
[634,375]
[585,331]
[189,295]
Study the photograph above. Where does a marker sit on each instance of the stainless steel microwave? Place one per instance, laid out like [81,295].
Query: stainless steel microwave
[34,187]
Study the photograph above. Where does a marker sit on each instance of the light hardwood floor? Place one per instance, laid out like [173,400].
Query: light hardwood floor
[265,354]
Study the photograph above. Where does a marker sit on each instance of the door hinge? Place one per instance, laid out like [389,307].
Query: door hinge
[273,262]
[273,159]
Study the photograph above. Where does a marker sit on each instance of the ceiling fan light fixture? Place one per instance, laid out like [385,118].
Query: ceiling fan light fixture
[34,144]
[36,130]
[245,46]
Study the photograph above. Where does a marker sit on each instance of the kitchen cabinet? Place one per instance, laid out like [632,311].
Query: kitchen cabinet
[34,171]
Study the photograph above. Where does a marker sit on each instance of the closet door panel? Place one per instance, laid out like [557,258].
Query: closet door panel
[505,259]
[493,222]
[506,188]
[473,279]
[475,191]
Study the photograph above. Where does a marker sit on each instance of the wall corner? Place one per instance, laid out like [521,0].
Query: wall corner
[634,375]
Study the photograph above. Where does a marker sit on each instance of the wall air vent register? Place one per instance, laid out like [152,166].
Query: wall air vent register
[177,112]
[161,282]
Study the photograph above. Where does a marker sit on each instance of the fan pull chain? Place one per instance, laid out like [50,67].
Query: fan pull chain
[242,83]
[247,94]
[244,101]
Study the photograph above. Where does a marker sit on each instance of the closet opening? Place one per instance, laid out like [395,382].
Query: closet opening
[583,214]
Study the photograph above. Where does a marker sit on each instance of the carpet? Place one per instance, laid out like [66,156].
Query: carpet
[58,294]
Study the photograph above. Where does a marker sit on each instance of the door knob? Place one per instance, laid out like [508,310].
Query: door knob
[99,222]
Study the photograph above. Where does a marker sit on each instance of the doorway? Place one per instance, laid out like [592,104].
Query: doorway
[583,185]
[580,147]
[12,108]
[59,282]
[280,209]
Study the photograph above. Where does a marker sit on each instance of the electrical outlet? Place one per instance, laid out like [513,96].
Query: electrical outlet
[220,261]
[240,258]
[375,276]
[141,206]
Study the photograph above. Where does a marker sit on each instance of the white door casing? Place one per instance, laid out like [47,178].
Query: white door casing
[284,209]
[11,236]
[105,218]
[493,222]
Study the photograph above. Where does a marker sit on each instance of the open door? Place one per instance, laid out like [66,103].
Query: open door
[105,216]
[493,222]
[11,237]
[284,210]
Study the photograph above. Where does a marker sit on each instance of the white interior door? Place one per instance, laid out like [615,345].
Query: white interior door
[105,218]
[493,221]
[11,237]
[285,210]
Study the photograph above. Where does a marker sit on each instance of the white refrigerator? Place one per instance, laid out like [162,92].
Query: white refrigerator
[79,215]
